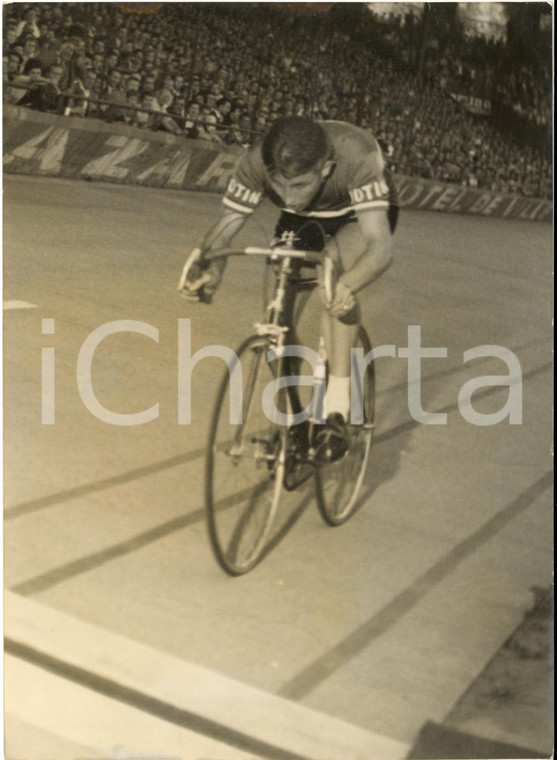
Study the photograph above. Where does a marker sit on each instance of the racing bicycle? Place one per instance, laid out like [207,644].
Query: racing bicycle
[261,432]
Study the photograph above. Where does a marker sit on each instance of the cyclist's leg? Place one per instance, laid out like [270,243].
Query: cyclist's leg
[341,333]
[302,233]
[348,245]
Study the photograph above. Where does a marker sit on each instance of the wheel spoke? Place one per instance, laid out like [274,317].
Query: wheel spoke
[338,484]
[244,467]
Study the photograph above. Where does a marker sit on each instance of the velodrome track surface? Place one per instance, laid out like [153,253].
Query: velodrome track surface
[381,624]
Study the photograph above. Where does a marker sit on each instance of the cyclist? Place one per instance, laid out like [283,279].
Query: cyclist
[333,173]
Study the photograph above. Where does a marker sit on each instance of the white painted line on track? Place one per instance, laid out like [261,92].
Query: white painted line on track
[28,740]
[240,715]
[11,305]
[102,726]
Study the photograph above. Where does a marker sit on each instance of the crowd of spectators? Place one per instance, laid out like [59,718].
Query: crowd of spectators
[506,65]
[224,73]
[484,69]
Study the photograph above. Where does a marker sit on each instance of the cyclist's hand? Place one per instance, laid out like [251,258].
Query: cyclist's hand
[209,281]
[190,273]
[343,300]
[194,290]
[199,281]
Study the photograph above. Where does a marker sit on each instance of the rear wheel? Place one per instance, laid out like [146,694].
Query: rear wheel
[338,484]
[245,463]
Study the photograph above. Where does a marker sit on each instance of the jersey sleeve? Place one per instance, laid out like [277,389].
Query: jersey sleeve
[367,184]
[245,189]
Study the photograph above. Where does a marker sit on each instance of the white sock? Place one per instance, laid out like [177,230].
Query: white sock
[337,396]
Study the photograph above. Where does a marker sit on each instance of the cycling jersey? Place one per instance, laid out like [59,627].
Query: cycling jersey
[358,181]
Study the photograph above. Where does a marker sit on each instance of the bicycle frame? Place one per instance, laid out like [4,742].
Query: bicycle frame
[261,456]
[280,310]
[282,325]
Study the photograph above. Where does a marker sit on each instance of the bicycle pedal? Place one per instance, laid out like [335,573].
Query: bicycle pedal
[298,475]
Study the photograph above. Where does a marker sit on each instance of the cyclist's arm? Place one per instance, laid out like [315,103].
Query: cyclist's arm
[377,254]
[240,201]
[197,278]
[224,230]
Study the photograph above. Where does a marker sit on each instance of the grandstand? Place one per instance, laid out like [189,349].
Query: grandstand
[444,103]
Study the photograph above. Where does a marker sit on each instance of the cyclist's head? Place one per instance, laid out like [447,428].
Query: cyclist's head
[296,154]
[294,145]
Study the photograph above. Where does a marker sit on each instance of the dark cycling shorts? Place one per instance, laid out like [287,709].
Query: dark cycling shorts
[310,234]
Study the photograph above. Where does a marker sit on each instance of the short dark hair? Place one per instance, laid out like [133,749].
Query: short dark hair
[32,63]
[294,145]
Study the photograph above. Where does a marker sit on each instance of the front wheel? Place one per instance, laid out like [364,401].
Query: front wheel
[245,462]
[338,484]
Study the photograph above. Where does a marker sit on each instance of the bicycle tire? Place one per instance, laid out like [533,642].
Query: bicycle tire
[244,466]
[339,483]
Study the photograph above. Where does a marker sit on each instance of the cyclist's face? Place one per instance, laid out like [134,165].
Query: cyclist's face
[298,192]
